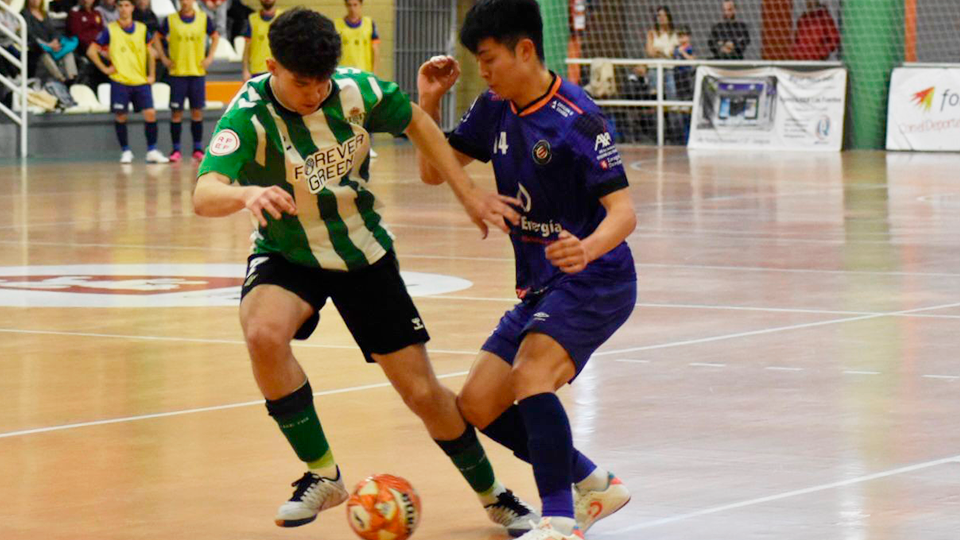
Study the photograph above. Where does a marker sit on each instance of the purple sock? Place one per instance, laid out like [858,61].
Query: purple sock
[509,431]
[551,452]
[121,130]
[175,129]
[196,131]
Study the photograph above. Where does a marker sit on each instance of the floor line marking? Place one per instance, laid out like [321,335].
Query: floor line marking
[946,377]
[857,372]
[198,409]
[200,340]
[805,491]
[706,364]
[632,361]
[779,368]
[769,330]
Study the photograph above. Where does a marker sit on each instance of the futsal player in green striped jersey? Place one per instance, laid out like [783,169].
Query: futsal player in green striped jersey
[292,148]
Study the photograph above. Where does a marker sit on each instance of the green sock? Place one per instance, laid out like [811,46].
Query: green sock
[466,453]
[297,418]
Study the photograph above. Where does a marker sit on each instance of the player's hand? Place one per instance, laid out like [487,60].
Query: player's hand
[151,79]
[167,63]
[568,254]
[110,70]
[246,75]
[437,75]
[206,63]
[484,207]
[273,200]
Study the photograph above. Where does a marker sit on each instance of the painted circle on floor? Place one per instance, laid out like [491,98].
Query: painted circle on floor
[154,285]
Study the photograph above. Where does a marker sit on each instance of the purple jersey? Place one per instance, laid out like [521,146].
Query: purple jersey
[556,156]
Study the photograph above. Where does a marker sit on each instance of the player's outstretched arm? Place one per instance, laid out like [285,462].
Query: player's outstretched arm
[571,254]
[215,197]
[482,206]
[434,79]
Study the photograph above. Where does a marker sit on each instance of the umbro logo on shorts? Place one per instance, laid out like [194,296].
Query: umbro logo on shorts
[541,316]
[417,323]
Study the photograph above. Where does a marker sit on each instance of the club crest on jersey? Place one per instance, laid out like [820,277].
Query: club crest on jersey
[328,164]
[356,116]
[541,152]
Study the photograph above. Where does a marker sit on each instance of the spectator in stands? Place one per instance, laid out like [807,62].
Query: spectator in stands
[662,40]
[7,69]
[729,38]
[144,13]
[54,50]
[9,21]
[817,36]
[683,75]
[86,23]
[186,31]
[132,71]
[684,80]
[108,10]
[217,10]
[257,50]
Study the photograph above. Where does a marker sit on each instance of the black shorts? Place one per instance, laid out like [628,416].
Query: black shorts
[373,301]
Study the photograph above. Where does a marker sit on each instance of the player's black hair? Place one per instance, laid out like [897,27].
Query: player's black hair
[506,21]
[306,43]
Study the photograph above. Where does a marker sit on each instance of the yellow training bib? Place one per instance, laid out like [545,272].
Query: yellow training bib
[128,53]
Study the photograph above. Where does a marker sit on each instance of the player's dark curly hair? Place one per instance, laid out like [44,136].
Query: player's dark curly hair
[506,21]
[306,43]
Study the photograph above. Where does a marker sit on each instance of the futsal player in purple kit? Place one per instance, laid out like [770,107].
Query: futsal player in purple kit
[576,281]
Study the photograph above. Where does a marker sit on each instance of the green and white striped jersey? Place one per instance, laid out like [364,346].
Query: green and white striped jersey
[321,160]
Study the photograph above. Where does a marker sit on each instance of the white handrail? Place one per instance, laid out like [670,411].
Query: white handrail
[662,64]
[20,92]
[719,63]
[947,65]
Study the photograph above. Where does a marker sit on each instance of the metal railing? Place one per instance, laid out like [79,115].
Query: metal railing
[19,91]
[661,103]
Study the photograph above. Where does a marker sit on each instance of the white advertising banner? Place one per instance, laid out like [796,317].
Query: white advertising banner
[924,109]
[768,109]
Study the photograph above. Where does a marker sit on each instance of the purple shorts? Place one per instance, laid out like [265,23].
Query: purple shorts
[121,96]
[192,89]
[580,313]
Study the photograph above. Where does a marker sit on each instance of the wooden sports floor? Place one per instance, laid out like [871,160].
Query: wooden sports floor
[791,371]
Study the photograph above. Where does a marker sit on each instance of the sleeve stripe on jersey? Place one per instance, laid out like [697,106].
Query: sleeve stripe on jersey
[570,103]
[261,155]
[375,86]
[350,96]
[612,185]
[243,91]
